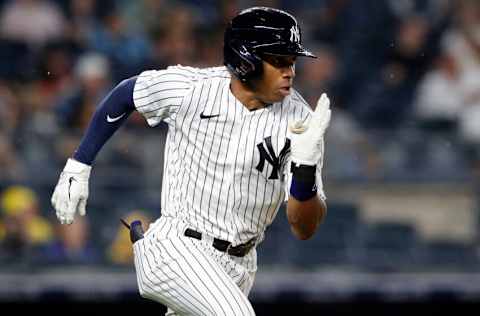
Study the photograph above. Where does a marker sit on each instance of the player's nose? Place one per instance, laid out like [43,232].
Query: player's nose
[288,72]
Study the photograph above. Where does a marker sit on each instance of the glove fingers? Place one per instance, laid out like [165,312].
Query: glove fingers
[325,119]
[62,211]
[56,205]
[323,104]
[71,209]
[82,207]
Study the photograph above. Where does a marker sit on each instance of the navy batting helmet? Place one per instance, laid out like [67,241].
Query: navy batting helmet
[260,30]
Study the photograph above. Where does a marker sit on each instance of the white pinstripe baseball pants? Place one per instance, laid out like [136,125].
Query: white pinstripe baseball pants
[189,276]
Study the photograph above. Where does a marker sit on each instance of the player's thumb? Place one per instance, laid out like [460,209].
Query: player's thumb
[82,207]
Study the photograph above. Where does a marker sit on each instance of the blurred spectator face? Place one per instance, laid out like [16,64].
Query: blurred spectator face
[229,10]
[320,70]
[468,13]
[58,64]
[22,221]
[469,19]
[153,5]
[178,41]
[393,74]
[412,35]
[18,201]
[177,48]
[33,21]
[448,66]
[9,109]
[93,71]
[82,8]
[115,24]
[11,167]
[317,75]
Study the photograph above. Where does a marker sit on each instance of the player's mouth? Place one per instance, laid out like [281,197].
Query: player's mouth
[285,90]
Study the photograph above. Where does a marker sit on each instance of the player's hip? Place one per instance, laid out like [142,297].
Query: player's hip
[161,244]
[168,227]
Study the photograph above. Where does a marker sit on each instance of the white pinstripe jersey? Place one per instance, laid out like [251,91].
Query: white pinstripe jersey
[225,167]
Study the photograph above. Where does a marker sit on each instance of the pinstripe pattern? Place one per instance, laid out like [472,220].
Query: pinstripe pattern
[188,276]
[213,183]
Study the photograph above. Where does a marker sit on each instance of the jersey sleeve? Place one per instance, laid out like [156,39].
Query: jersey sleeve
[158,94]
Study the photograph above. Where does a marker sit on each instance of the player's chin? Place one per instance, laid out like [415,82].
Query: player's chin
[281,94]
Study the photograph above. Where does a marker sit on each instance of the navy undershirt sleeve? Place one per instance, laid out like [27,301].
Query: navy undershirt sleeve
[108,117]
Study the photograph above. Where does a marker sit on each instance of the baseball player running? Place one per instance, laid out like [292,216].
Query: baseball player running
[240,142]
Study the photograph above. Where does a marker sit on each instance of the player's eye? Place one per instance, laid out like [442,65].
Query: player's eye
[280,61]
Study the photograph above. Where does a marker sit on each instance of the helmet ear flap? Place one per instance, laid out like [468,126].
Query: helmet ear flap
[244,63]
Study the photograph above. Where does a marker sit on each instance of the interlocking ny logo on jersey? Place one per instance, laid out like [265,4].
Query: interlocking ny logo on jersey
[269,156]
[294,34]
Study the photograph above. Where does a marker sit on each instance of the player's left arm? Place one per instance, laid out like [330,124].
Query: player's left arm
[305,209]
[305,216]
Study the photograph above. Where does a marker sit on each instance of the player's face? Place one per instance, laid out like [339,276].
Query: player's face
[276,82]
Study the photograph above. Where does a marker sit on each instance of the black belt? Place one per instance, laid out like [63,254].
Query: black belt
[225,246]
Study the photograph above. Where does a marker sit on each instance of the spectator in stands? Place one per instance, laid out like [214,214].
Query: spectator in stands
[72,245]
[120,250]
[442,94]
[26,230]
[449,95]
[10,110]
[12,167]
[174,45]
[82,17]
[463,44]
[35,22]
[320,76]
[386,98]
[143,15]
[127,51]
[12,164]
[92,72]
[461,40]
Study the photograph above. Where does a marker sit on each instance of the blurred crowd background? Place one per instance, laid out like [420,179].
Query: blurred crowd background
[402,152]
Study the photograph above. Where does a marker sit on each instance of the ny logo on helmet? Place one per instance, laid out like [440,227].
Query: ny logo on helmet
[271,158]
[294,34]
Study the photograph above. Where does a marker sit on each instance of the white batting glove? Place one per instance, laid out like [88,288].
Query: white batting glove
[307,137]
[71,192]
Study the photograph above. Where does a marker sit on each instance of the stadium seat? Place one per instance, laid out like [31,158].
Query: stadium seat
[448,254]
[388,246]
[331,244]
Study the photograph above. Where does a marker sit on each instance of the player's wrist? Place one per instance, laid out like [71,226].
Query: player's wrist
[306,153]
[303,185]
[74,166]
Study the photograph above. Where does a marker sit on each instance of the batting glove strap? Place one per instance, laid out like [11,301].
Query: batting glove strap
[303,185]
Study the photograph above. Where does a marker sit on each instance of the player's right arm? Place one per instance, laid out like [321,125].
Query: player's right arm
[71,192]
[155,94]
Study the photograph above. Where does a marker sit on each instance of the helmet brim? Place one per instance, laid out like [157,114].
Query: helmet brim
[306,53]
[281,49]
